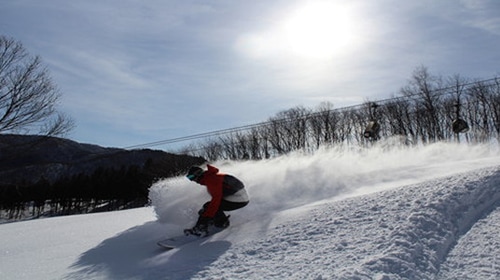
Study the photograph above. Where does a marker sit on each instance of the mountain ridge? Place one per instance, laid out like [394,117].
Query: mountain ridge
[29,158]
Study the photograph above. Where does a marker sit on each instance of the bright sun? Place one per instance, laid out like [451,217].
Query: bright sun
[319,30]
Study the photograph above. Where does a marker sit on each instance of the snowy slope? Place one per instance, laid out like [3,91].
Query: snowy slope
[381,213]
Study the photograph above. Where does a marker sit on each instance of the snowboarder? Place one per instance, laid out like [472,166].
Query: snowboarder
[228,193]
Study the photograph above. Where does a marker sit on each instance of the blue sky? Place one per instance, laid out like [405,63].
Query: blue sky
[134,72]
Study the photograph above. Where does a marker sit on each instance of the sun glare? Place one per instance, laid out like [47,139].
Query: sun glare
[319,30]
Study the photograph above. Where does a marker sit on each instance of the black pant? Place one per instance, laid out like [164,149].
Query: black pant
[230,206]
[225,206]
[220,217]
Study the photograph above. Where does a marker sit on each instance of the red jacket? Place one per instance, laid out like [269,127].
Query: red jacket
[213,180]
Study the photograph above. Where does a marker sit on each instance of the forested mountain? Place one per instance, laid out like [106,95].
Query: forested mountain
[40,174]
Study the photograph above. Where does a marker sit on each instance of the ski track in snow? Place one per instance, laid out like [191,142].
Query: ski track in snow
[477,253]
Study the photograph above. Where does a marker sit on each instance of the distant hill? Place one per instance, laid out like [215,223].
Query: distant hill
[26,159]
[40,174]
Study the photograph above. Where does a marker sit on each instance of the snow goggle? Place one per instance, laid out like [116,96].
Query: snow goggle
[191,177]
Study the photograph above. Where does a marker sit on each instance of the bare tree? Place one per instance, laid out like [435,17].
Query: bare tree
[495,103]
[426,87]
[27,94]
[323,124]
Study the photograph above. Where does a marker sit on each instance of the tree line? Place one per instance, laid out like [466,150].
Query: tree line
[105,189]
[428,109]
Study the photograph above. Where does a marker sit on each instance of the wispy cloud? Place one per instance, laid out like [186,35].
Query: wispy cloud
[484,15]
[160,69]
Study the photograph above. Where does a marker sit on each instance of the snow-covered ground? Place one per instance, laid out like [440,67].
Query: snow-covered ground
[380,213]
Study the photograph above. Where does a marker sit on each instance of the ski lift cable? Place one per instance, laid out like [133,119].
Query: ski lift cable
[416,96]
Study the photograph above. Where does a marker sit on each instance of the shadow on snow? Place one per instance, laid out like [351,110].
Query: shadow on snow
[135,254]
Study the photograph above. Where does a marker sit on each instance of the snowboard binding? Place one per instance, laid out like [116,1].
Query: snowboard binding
[204,230]
[197,232]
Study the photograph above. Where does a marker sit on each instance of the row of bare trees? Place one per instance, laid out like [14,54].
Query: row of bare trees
[424,112]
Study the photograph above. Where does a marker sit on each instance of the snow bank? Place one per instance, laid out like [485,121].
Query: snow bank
[404,233]
[440,212]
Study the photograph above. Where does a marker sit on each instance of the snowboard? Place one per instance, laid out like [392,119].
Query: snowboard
[177,241]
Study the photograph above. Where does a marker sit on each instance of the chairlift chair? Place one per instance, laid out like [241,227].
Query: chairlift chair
[460,126]
[372,129]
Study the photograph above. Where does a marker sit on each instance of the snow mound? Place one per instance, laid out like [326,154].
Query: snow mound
[405,233]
